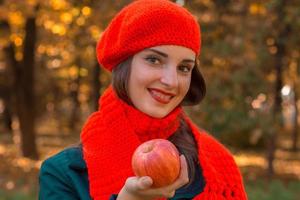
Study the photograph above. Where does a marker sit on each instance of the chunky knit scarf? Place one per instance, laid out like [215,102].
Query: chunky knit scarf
[111,135]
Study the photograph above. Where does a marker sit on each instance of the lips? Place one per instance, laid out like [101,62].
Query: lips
[161,96]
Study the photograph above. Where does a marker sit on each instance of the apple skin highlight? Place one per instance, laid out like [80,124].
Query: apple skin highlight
[159,159]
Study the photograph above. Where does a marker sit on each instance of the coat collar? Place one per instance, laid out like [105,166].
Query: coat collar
[76,158]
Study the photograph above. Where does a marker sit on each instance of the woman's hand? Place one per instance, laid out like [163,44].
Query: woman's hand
[139,188]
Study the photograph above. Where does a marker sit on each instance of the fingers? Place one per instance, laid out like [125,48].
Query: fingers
[168,194]
[144,182]
[183,176]
[141,186]
[183,179]
[134,184]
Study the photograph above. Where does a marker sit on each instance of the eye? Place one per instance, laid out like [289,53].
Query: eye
[185,68]
[153,59]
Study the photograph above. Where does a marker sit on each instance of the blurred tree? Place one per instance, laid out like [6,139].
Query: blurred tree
[246,48]
[279,55]
[6,84]
[24,87]
[295,133]
[96,85]
[229,64]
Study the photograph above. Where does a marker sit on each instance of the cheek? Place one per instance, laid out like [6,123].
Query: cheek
[143,76]
[138,81]
[185,85]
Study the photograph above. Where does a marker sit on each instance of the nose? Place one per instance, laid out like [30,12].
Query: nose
[169,76]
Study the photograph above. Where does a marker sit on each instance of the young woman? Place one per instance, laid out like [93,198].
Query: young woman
[151,47]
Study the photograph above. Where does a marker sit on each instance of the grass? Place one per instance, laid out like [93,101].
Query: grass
[275,190]
[5,195]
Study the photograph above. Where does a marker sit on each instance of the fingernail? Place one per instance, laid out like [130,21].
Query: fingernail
[182,157]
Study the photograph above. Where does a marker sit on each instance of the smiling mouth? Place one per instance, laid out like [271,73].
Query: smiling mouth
[160,96]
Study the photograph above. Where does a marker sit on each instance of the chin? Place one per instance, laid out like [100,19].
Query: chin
[158,115]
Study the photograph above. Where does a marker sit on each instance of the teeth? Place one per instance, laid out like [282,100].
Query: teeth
[161,96]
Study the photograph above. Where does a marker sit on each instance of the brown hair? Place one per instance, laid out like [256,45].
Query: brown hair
[183,138]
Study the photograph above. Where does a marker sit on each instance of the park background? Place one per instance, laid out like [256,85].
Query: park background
[50,83]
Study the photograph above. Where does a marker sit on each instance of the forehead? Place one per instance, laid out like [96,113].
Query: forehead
[172,51]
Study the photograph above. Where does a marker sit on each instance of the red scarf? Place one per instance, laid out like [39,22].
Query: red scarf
[111,135]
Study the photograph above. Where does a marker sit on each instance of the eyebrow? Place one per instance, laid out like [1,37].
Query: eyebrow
[166,55]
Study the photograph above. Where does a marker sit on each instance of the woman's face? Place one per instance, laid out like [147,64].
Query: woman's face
[160,78]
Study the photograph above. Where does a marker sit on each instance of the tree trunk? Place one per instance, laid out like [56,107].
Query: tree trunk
[6,88]
[26,94]
[295,121]
[279,62]
[96,85]
[7,113]
[271,141]
[75,86]
[24,90]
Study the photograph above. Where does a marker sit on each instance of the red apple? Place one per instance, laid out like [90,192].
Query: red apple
[159,159]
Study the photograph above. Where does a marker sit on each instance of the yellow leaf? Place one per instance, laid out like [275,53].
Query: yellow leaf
[86,11]
[66,17]
[16,18]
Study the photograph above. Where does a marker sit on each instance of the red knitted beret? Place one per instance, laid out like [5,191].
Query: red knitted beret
[143,24]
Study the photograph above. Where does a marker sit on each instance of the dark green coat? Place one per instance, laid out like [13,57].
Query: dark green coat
[64,177]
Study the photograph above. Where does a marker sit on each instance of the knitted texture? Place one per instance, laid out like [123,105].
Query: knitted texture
[111,135]
[143,24]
